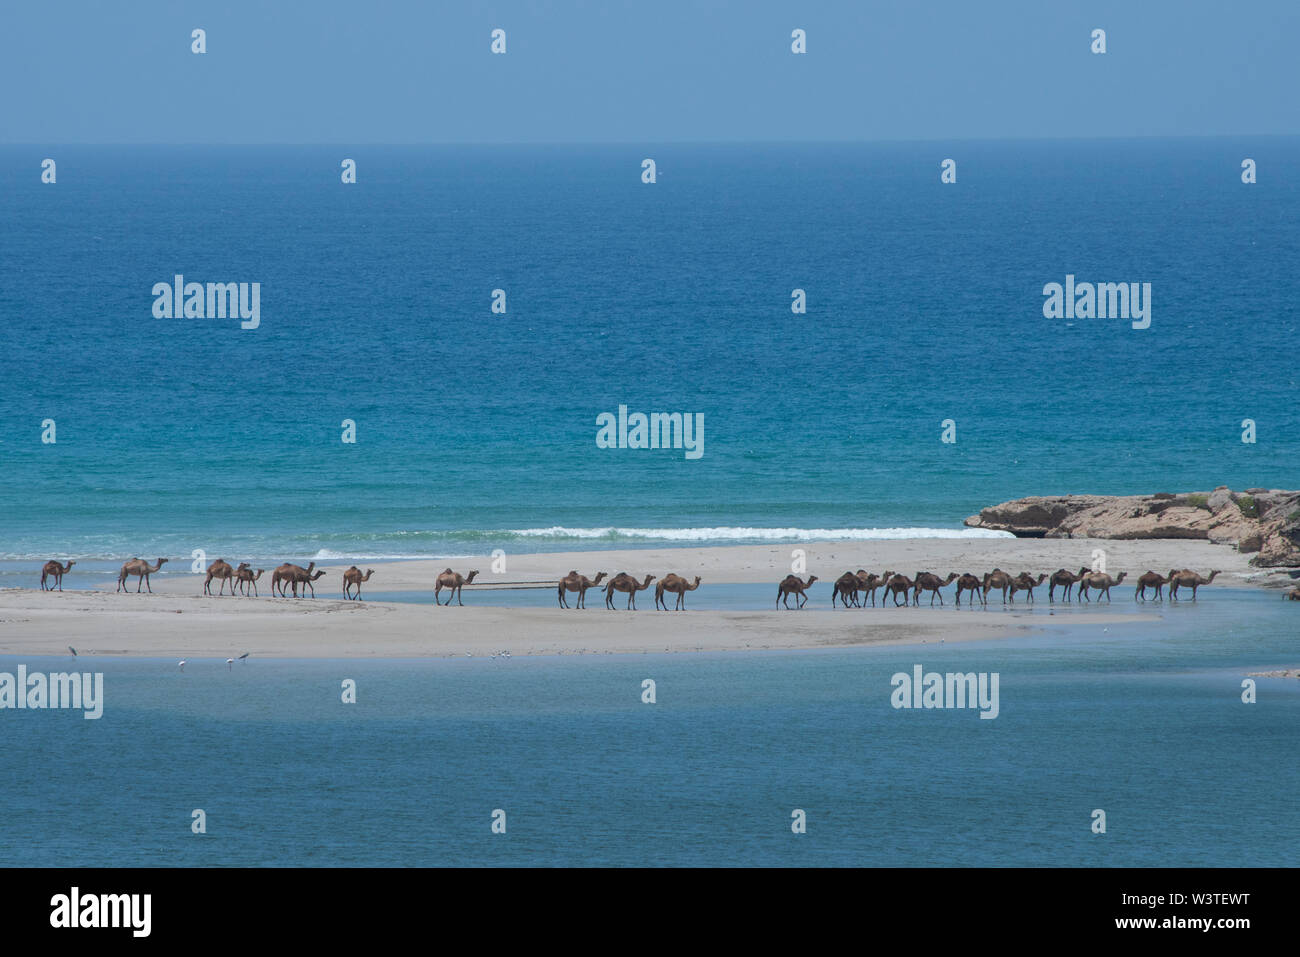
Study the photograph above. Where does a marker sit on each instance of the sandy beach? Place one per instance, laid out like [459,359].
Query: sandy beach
[177,620]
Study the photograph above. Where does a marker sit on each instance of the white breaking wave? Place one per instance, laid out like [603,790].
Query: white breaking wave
[327,555]
[721,533]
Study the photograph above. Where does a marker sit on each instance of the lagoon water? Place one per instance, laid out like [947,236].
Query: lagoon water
[1143,721]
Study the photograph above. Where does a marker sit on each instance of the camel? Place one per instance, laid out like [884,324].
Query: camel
[625,583]
[1100,581]
[244,575]
[846,587]
[970,583]
[305,579]
[140,568]
[1066,580]
[1025,582]
[1150,580]
[792,584]
[870,583]
[678,586]
[220,569]
[928,582]
[897,585]
[284,575]
[1187,579]
[353,577]
[291,574]
[579,583]
[996,579]
[453,580]
[52,569]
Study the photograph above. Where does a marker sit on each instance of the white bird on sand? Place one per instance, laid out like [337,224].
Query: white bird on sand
[181,664]
[230,663]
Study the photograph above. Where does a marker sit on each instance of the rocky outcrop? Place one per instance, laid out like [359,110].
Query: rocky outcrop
[1262,521]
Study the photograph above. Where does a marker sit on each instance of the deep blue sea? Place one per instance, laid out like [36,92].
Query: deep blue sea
[1143,721]
[477,430]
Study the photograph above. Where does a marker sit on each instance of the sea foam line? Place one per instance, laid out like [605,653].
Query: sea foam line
[742,533]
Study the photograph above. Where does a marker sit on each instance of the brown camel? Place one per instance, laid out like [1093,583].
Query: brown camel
[1187,579]
[305,579]
[678,586]
[996,579]
[970,583]
[897,585]
[284,575]
[870,584]
[52,569]
[793,585]
[846,587]
[244,575]
[1150,580]
[925,581]
[579,583]
[1025,582]
[453,580]
[1066,580]
[625,583]
[222,570]
[352,578]
[140,568]
[1100,581]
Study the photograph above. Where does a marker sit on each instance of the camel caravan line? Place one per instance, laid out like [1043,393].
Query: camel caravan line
[852,589]
[852,584]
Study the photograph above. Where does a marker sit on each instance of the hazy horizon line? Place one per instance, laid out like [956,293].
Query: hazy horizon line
[664,142]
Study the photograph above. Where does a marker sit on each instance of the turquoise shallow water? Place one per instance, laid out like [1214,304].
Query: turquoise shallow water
[1143,721]
[477,431]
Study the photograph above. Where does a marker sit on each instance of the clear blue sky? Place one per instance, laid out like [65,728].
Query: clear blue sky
[401,71]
